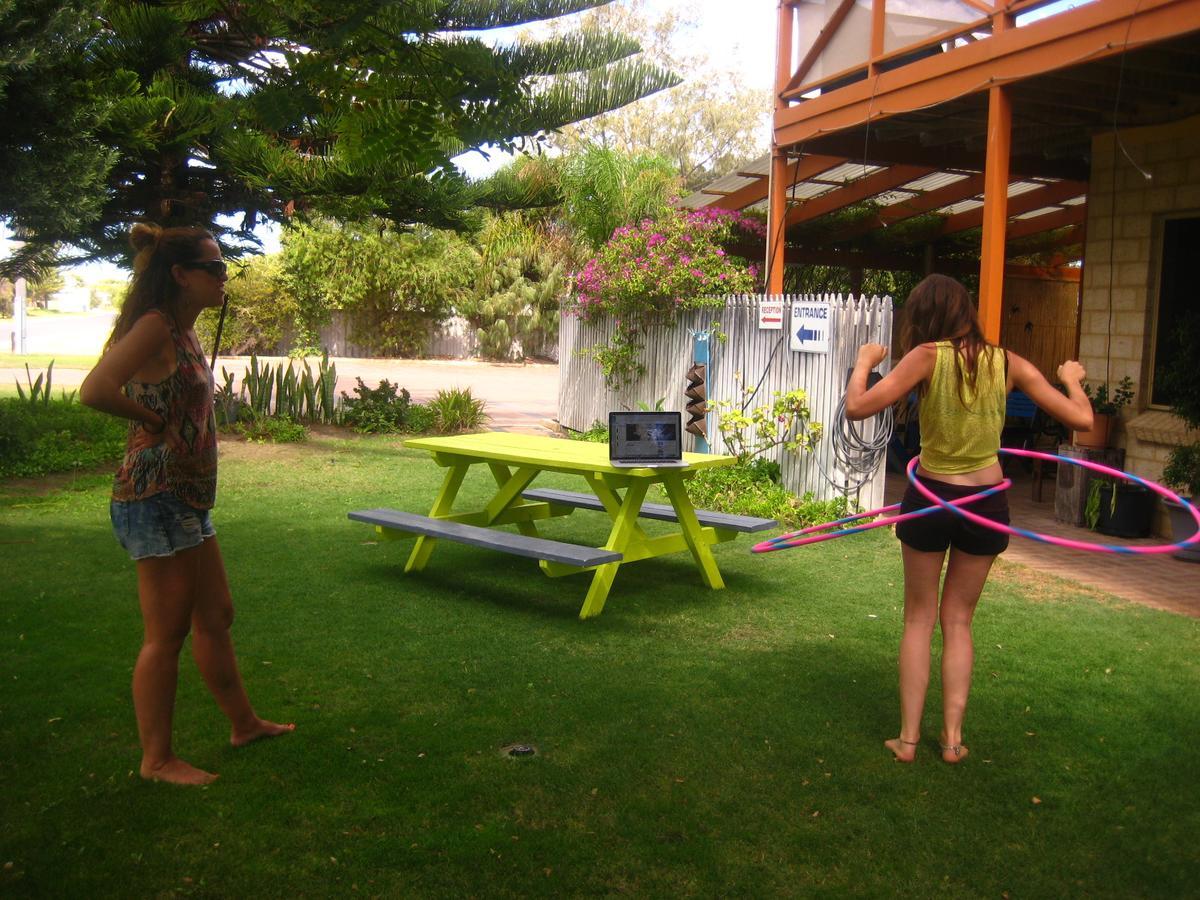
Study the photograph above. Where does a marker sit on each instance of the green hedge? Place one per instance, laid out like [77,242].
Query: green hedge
[36,439]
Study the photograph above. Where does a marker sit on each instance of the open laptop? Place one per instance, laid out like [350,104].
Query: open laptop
[645,439]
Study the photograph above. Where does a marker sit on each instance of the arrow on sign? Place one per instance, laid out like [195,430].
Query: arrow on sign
[807,334]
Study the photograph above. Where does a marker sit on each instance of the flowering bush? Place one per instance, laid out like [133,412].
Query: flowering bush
[649,271]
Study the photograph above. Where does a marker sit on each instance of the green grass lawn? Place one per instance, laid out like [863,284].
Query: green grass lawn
[691,742]
[38,362]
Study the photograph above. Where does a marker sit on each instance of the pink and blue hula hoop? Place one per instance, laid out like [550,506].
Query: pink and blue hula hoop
[798,539]
[1163,492]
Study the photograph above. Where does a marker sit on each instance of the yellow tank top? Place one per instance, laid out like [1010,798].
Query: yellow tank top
[956,439]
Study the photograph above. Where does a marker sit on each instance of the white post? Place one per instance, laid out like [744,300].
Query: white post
[19,316]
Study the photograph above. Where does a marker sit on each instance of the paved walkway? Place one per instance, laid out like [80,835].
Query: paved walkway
[1160,581]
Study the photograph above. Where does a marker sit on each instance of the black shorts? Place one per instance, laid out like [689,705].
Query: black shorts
[935,532]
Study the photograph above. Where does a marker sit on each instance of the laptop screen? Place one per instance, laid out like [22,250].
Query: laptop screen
[636,436]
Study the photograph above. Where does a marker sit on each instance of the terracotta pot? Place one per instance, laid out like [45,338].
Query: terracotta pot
[1097,438]
[1183,526]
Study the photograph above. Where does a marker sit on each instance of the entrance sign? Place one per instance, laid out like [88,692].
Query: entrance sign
[770,315]
[811,324]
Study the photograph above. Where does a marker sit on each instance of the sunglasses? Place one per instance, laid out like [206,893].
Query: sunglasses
[214,267]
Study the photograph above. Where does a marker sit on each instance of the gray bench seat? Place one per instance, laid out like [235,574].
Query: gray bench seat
[492,538]
[661,511]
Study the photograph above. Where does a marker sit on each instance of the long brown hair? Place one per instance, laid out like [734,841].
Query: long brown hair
[941,309]
[156,251]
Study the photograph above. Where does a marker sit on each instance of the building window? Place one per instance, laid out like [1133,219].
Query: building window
[1180,245]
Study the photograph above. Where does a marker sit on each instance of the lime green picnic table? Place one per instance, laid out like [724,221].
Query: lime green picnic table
[515,460]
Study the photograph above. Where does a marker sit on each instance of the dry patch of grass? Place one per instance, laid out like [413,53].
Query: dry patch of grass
[1042,587]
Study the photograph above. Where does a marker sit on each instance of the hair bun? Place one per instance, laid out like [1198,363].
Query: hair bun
[145,236]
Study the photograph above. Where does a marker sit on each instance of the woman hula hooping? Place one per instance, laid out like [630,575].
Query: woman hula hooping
[154,374]
[963,382]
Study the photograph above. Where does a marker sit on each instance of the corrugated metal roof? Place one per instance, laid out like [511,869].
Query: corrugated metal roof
[806,190]
[1017,188]
[892,197]
[728,184]
[1033,214]
[850,171]
[961,206]
[760,166]
[934,181]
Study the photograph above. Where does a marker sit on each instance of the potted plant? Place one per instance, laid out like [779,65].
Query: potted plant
[1182,474]
[1120,509]
[1106,406]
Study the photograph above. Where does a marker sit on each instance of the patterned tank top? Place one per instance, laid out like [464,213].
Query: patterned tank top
[956,439]
[186,468]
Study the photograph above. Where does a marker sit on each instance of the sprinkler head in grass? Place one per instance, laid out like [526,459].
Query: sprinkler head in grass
[519,751]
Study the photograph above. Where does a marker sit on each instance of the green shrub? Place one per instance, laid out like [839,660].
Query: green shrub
[260,312]
[455,410]
[420,419]
[808,510]
[58,436]
[273,429]
[39,389]
[597,434]
[753,488]
[1182,470]
[377,410]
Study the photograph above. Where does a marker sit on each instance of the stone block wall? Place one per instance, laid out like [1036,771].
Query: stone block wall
[1120,272]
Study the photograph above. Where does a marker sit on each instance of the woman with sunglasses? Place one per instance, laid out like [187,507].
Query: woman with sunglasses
[153,372]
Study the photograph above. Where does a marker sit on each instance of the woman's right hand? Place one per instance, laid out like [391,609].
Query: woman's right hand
[871,355]
[1071,371]
[147,439]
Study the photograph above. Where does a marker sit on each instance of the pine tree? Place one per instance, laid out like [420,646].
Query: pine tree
[231,114]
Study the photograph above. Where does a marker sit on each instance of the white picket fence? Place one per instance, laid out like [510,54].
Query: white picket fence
[750,356]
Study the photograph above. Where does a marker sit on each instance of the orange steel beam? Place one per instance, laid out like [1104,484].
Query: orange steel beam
[827,256]
[852,146]
[839,198]
[906,209]
[1071,215]
[819,45]
[878,23]
[777,186]
[794,173]
[995,213]
[908,262]
[895,58]
[1085,33]
[1050,195]
[776,226]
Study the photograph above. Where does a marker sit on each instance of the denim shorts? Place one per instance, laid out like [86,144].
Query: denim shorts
[159,525]
[937,531]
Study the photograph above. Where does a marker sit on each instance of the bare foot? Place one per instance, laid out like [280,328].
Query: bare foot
[261,729]
[176,771]
[953,753]
[905,751]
